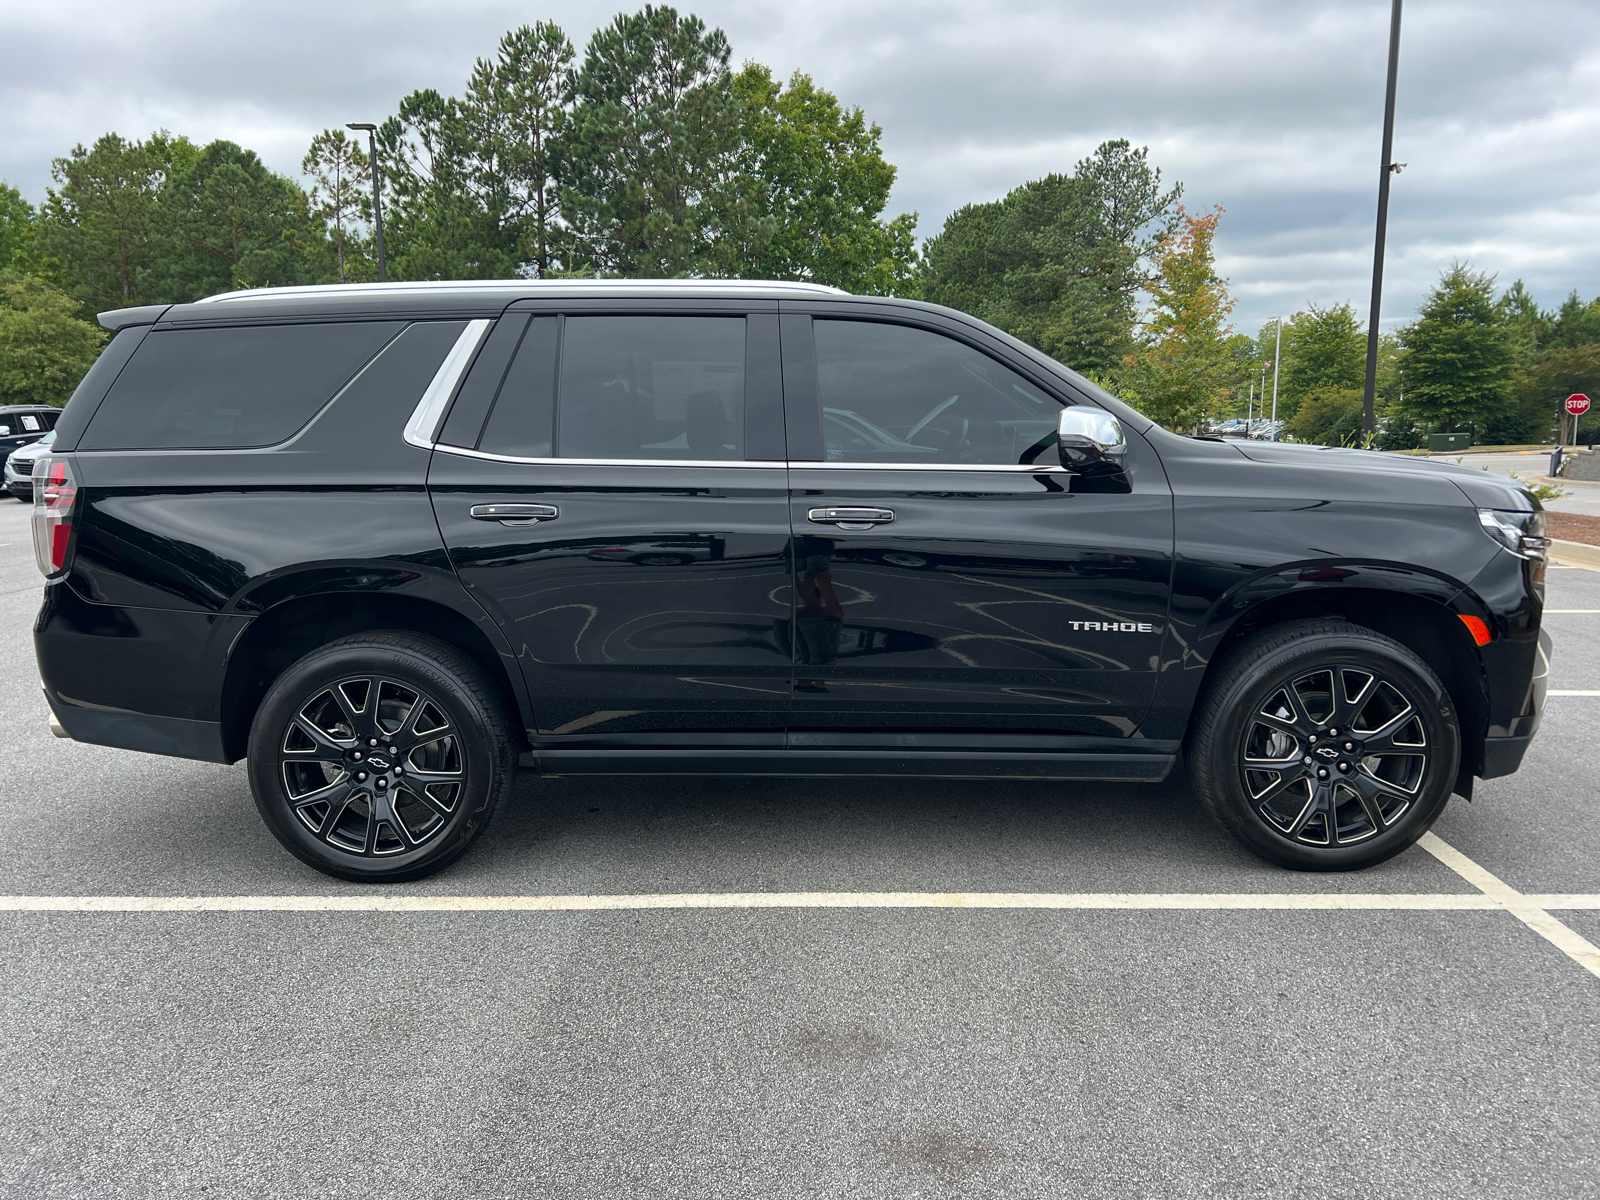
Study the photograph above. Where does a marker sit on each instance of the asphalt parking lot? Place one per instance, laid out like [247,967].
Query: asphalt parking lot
[1426,1040]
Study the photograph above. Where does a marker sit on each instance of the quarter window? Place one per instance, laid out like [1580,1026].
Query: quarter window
[230,388]
[894,394]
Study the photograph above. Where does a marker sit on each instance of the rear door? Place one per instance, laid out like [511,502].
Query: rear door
[611,487]
[951,580]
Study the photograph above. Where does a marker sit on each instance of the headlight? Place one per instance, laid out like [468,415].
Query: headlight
[1521,533]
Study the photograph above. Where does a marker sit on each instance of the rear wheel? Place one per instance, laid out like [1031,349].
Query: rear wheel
[1325,746]
[380,757]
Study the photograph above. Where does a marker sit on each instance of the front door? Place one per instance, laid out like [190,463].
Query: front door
[946,584]
[615,516]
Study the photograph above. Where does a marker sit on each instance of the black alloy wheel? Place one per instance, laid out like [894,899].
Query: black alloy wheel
[1325,746]
[380,757]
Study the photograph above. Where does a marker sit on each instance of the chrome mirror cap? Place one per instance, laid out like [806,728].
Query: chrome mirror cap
[1086,428]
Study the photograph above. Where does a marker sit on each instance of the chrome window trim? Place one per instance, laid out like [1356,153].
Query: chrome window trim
[1025,468]
[443,448]
[424,422]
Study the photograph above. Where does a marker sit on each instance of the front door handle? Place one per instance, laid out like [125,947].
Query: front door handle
[851,518]
[515,514]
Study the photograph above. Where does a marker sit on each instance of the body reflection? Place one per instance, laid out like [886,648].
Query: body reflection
[819,617]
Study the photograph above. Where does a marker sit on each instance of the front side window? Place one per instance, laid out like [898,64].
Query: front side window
[894,394]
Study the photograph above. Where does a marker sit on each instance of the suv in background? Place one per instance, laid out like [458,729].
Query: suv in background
[22,424]
[19,466]
[390,542]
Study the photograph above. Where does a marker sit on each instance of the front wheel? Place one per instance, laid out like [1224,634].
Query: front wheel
[1325,746]
[380,757]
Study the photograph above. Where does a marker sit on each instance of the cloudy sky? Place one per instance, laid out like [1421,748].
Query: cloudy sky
[1272,110]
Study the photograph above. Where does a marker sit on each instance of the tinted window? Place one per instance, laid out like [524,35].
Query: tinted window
[890,393]
[231,388]
[651,387]
[522,421]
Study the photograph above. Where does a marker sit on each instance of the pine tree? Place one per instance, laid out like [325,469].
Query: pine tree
[1458,355]
[648,181]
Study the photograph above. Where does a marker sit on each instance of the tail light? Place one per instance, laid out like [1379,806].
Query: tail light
[54,493]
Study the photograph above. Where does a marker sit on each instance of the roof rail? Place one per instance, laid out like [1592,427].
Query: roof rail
[467,285]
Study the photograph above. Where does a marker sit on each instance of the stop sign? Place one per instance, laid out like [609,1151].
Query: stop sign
[1578,404]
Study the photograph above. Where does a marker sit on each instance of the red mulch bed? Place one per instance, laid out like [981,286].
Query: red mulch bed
[1573,527]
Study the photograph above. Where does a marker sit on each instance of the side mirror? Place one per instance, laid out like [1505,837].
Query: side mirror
[1088,435]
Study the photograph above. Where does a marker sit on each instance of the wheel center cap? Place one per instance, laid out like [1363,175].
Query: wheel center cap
[1328,752]
[377,762]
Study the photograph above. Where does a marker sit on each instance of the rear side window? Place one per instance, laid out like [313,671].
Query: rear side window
[624,388]
[233,388]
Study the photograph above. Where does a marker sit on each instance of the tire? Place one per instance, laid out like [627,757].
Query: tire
[1383,749]
[321,741]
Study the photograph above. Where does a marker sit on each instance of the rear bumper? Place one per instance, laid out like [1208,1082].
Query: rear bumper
[126,730]
[136,678]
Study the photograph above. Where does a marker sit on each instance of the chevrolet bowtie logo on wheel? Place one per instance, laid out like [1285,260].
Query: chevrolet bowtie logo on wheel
[1114,626]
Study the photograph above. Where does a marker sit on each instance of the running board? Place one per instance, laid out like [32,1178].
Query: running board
[926,764]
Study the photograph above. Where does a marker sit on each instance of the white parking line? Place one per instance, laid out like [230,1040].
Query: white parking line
[385,902]
[1480,901]
[1526,909]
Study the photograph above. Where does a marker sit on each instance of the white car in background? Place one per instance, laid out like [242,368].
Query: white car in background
[19,467]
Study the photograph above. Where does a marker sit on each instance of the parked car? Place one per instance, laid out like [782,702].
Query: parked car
[22,424]
[19,466]
[391,542]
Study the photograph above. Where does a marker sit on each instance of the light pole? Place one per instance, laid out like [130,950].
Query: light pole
[1277,357]
[1388,167]
[377,199]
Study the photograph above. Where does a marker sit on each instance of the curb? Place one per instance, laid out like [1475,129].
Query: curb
[1577,554]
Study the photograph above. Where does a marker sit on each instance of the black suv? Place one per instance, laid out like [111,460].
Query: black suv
[389,542]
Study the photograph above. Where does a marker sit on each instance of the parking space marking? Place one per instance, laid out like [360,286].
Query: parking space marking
[1525,908]
[1481,901]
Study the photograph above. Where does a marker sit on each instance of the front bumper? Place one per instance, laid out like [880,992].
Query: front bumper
[1502,754]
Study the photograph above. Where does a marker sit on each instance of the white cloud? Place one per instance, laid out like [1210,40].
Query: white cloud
[1270,110]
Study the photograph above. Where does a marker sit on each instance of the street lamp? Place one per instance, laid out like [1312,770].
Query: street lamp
[377,201]
[1387,167]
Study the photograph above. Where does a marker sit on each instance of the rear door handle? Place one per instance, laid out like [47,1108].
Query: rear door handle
[515,514]
[851,518]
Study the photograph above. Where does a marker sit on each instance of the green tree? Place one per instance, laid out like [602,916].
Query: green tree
[1327,416]
[227,222]
[45,347]
[1559,373]
[18,225]
[341,175]
[471,181]
[1184,371]
[648,178]
[1323,349]
[1059,261]
[1459,356]
[815,184]
[530,83]
[1528,323]
[1575,323]
[96,223]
